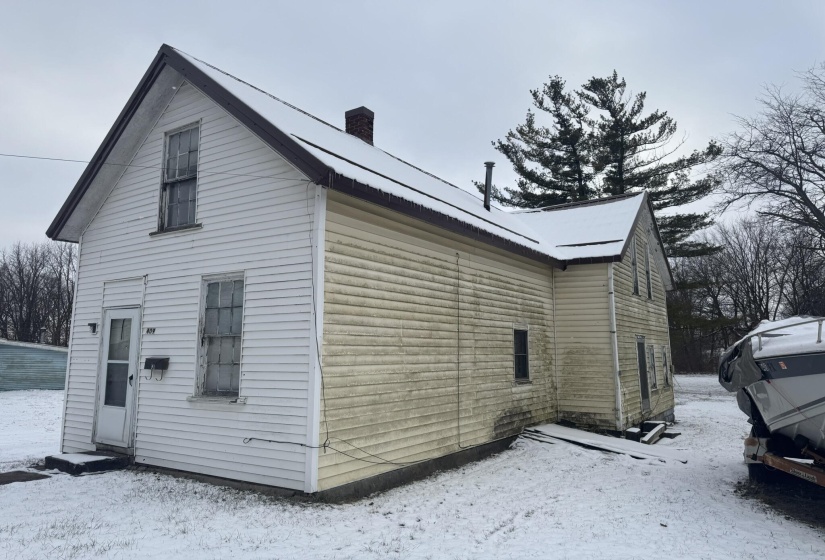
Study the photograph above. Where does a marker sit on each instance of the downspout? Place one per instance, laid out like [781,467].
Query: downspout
[614,342]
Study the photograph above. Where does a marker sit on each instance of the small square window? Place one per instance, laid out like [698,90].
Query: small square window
[180,179]
[521,355]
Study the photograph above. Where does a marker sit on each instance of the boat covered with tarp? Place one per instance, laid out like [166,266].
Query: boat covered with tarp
[778,374]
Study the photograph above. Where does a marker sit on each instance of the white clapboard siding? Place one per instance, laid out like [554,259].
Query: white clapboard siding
[257,226]
[127,292]
[404,305]
[585,361]
[638,315]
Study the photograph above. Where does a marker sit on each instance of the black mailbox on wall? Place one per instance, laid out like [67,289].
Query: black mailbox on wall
[156,363]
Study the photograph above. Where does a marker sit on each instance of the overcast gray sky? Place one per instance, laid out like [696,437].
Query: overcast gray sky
[444,78]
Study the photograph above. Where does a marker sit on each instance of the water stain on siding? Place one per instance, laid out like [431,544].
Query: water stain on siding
[511,421]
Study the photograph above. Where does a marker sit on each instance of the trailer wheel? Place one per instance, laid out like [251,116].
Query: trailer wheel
[759,472]
[762,474]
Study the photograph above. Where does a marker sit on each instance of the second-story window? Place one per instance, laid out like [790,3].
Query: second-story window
[634,267]
[180,179]
[647,273]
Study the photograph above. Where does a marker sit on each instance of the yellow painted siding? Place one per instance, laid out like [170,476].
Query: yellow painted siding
[585,360]
[418,342]
[638,315]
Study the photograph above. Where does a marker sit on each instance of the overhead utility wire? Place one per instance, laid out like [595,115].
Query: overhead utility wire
[160,167]
[277,177]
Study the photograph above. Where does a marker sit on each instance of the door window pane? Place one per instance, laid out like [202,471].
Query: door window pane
[116,379]
[119,333]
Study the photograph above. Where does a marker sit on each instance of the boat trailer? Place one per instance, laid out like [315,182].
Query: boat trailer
[757,454]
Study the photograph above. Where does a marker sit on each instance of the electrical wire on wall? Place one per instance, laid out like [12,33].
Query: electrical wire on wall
[327,444]
[327,438]
[458,347]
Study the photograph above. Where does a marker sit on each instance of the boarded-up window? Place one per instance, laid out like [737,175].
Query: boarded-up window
[647,273]
[521,355]
[651,364]
[634,266]
[179,196]
[223,322]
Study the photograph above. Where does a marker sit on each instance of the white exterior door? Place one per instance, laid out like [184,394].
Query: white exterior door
[117,380]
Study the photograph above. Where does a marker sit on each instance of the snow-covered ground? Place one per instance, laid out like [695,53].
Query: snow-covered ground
[29,427]
[533,501]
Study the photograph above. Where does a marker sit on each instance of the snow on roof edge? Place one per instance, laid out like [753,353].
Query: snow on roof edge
[35,345]
[363,162]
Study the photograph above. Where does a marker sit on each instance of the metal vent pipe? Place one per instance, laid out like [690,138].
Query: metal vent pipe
[488,183]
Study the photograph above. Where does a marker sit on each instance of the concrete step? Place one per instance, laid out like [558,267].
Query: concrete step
[79,463]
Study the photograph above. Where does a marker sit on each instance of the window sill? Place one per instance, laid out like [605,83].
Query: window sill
[182,229]
[217,400]
[518,382]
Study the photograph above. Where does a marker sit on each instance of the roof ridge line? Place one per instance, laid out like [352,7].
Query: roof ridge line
[577,203]
[302,111]
[256,88]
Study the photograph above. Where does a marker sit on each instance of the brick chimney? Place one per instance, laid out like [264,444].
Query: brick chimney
[359,123]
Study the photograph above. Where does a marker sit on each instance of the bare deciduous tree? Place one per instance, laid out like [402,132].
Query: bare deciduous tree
[762,271]
[777,159]
[805,290]
[36,291]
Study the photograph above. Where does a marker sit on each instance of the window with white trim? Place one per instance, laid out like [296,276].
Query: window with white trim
[180,179]
[634,266]
[221,337]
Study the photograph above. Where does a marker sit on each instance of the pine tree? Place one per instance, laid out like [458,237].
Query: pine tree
[553,163]
[601,143]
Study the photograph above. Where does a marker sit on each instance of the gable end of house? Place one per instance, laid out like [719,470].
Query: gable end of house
[167,56]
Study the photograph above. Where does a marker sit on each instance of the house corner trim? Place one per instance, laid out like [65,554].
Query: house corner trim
[316,339]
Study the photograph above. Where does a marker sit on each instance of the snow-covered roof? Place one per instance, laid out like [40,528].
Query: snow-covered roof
[35,345]
[352,157]
[587,230]
[595,231]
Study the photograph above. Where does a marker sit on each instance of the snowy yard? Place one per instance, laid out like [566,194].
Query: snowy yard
[29,427]
[533,501]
